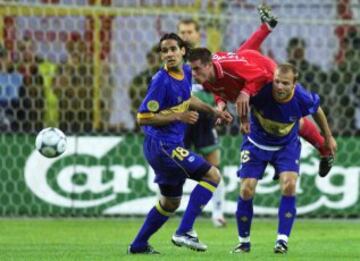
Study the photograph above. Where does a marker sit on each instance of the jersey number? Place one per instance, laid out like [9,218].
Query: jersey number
[180,153]
[244,156]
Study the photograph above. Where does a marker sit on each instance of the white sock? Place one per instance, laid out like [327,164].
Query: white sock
[282,237]
[244,239]
[218,200]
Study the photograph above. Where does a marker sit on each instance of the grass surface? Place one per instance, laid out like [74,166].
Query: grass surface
[107,239]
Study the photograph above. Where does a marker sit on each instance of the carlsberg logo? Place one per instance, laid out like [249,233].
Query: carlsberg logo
[313,192]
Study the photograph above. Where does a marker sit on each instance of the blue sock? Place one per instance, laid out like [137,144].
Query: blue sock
[244,215]
[199,197]
[154,220]
[287,213]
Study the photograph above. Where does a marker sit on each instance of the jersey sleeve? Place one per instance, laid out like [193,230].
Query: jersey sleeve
[219,99]
[256,39]
[154,99]
[253,87]
[309,101]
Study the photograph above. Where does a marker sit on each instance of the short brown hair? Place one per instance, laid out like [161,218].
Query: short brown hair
[189,21]
[288,67]
[201,53]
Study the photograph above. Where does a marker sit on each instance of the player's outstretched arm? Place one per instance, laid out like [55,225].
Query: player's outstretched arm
[158,119]
[242,104]
[197,104]
[321,121]
[267,17]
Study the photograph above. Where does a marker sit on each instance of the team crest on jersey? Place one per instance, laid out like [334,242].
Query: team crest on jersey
[152,105]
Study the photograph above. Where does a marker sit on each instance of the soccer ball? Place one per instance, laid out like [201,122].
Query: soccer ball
[51,142]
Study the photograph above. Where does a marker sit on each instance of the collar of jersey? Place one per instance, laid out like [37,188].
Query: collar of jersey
[177,76]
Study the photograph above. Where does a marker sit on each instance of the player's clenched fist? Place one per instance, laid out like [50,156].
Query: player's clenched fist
[223,117]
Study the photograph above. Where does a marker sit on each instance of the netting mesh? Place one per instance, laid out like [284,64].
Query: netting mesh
[83,66]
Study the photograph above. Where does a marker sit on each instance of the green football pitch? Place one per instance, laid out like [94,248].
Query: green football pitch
[107,239]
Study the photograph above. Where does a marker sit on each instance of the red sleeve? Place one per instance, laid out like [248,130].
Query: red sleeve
[218,99]
[256,39]
[251,88]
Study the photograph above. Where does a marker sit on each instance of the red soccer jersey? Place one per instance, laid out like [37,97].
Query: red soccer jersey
[245,70]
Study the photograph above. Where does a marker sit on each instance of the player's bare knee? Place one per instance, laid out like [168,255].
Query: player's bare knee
[288,183]
[213,175]
[288,187]
[170,204]
[247,188]
[246,192]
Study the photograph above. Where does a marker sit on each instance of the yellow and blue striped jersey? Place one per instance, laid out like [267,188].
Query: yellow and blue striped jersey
[277,124]
[167,93]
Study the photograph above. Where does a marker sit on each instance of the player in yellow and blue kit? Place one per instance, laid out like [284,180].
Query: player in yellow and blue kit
[202,136]
[272,138]
[164,114]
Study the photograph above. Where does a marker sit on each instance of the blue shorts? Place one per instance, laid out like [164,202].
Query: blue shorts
[254,160]
[172,163]
[201,135]
[171,191]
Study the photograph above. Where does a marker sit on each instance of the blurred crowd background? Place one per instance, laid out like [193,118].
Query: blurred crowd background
[84,65]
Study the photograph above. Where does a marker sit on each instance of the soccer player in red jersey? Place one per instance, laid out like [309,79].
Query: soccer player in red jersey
[235,76]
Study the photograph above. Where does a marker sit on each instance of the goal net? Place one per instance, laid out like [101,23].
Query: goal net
[83,66]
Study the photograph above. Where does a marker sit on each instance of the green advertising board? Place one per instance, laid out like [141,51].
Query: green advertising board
[108,175]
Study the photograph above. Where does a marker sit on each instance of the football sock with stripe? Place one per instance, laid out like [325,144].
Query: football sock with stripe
[154,220]
[199,197]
